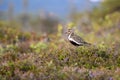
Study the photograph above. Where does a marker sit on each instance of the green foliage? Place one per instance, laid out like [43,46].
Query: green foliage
[26,66]
[106,7]
[37,47]
[60,28]
[111,8]
[26,56]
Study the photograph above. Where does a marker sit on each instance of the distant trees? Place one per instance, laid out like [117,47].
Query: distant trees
[11,12]
[111,6]
[106,7]
[45,23]
[3,15]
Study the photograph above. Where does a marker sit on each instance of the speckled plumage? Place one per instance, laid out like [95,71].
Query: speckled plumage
[75,39]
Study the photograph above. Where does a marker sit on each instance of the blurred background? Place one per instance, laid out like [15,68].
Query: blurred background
[98,17]
[44,15]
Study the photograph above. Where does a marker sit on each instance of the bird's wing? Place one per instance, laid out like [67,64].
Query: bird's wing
[78,39]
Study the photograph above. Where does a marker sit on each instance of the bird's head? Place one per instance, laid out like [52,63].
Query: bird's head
[68,32]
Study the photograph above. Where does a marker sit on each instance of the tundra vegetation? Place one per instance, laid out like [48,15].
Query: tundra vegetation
[32,56]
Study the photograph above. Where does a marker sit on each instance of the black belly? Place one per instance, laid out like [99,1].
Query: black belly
[75,44]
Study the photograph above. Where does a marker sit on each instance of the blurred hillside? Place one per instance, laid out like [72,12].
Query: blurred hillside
[43,17]
[43,13]
[46,5]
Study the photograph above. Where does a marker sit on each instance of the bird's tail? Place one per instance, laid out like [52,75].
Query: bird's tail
[87,44]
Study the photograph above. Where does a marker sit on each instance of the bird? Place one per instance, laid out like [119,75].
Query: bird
[75,39]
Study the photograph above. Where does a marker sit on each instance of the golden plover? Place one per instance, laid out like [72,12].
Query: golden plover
[75,39]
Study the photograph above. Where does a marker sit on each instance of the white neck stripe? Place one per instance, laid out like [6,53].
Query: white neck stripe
[71,39]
